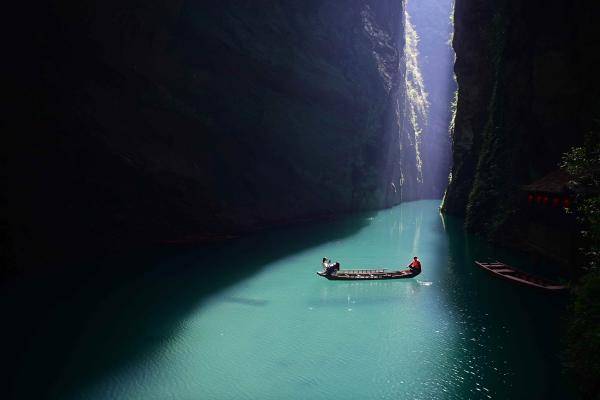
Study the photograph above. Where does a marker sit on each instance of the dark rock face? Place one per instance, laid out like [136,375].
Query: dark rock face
[528,91]
[181,118]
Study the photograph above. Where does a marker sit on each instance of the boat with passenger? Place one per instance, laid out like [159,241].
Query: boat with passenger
[333,272]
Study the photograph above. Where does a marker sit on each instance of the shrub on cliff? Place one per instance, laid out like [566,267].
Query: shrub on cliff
[583,353]
[583,164]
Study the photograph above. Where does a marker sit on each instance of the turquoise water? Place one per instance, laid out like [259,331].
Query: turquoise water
[249,319]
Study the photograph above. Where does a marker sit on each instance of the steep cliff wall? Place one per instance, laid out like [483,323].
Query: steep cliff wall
[178,118]
[432,22]
[528,90]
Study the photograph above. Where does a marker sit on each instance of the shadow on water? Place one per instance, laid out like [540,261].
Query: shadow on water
[67,329]
[503,325]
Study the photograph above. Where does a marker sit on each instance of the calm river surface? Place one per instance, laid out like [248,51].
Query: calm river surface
[249,319]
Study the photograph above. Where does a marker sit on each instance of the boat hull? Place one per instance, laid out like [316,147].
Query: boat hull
[514,275]
[344,276]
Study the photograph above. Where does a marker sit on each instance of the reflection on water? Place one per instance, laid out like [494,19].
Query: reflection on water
[194,327]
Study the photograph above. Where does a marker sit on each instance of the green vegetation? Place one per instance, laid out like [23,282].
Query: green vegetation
[583,354]
[583,163]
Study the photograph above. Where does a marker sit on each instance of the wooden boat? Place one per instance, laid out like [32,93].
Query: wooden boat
[512,274]
[367,274]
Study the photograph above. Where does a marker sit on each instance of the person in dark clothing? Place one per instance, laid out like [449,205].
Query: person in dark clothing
[332,269]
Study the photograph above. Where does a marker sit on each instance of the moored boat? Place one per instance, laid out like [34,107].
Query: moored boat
[507,272]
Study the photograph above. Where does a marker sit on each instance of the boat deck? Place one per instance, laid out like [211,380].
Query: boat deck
[363,271]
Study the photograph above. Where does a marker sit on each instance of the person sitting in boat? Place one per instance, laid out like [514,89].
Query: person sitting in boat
[325,263]
[332,269]
[415,266]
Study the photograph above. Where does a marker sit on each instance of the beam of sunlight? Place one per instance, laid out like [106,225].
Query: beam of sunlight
[430,88]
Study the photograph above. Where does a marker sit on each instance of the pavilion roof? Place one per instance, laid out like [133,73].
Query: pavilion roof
[555,182]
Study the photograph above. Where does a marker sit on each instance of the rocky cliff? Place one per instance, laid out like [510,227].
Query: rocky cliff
[431,20]
[176,119]
[528,90]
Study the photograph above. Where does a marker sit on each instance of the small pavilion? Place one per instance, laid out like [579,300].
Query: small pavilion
[551,191]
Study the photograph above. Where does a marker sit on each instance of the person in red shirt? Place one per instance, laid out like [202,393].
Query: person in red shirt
[415,266]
